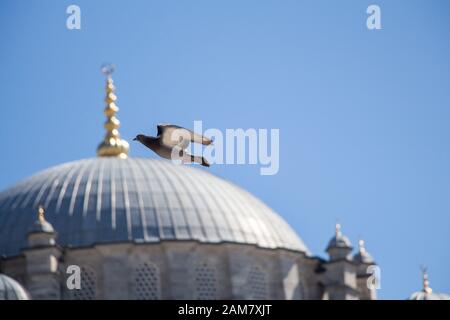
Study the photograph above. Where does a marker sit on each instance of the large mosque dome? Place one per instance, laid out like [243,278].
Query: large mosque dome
[109,199]
[139,228]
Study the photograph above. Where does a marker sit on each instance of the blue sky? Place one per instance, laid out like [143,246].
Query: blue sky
[363,115]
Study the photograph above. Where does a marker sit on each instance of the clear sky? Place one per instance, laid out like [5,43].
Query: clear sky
[363,115]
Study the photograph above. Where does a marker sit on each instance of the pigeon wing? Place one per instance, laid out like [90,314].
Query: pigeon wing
[198,138]
[195,137]
[172,135]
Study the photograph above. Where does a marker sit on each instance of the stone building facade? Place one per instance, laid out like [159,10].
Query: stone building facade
[207,256]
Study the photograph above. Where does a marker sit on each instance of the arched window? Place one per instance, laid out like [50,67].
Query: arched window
[147,282]
[205,279]
[88,282]
[257,284]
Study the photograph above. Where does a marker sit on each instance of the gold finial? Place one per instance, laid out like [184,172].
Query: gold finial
[426,283]
[112,145]
[41,214]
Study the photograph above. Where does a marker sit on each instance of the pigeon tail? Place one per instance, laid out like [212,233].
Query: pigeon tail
[207,142]
[197,159]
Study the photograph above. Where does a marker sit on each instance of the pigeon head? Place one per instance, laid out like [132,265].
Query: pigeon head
[139,137]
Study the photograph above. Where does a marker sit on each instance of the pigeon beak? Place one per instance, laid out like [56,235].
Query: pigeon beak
[135,139]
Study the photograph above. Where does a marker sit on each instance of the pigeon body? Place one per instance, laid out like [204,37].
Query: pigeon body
[172,141]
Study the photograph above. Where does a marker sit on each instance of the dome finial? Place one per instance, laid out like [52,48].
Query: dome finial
[108,69]
[361,246]
[338,228]
[362,256]
[426,283]
[41,214]
[41,224]
[112,145]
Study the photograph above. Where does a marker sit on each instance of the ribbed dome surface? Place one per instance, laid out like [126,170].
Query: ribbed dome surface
[10,289]
[102,200]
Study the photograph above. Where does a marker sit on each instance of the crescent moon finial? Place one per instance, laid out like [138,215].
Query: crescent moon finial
[107,69]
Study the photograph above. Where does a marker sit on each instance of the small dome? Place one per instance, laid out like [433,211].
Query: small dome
[362,256]
[339,240]
[427,293]
[42,226]
[108,199]
[421,295]
[10,289]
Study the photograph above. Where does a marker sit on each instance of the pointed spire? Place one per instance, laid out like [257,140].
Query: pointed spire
[362,256]
[338,228]
[41,224]
[361,247]
[112,145]
[426,283]
[41,214]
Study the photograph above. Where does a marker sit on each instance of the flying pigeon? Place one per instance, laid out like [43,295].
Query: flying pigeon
[173,140]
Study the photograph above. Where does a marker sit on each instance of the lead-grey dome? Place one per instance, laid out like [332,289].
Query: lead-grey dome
[339,240]
[421,295]
[10,289]
[101,200]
